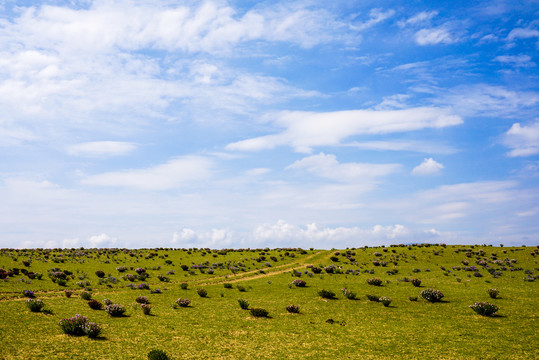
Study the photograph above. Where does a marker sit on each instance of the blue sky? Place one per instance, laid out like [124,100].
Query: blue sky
[251,124]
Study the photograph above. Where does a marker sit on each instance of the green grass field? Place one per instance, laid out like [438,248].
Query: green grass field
[216,327]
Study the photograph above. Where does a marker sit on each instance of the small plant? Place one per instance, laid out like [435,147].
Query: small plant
[485,309]
[73,325]
[183,302]
[385,301]
[95,305]
[35,305]
[85,295]
[493,293]
[227,285]
[416,282]
[100,274]
[373,298]
[142,300]
[349,294]
[292,309]
[28,293]
[183,286]
[244,304]
[115,310]
[156,291]
[431,295]
[92,330]
[68,293]
[240,288]
[299,283]
[143,286]
[259,312]
[121,269]
[374,281]
[157,354]
[202,292]
[146,308]
[163,278]
[412,298]
[326,294]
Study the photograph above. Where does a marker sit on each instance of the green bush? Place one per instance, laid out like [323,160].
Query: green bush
[183,286]
[385,300]
[227,285]
[68,293]
[485,309]
[183,302]
[35,305]
[431,295]
[292,309]
[156,354]
[493,293]
[244,304]
[326,294]
[94,304]
[73,325]
[415,282]
[85,295]
[259,312]
[202,292]
[374,281]
[115,310]
[374,298]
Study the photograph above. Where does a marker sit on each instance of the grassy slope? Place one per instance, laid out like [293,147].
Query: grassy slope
[216,327]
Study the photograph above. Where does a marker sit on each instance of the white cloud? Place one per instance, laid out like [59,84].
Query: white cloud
[102,241]
[522,33]
[428,167]
[418,18]
[515,60]
[327,166]
[101,148]
[376,16]
[305,130]
[405,145]
[523,140]
[434,36]
[175,173]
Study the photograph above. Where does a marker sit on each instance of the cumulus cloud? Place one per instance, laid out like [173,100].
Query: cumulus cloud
[101,148]
[173,174]
[428,167]
[305,130]
[102,241]
[522,140]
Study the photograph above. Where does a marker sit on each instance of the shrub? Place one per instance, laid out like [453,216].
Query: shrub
[94,304]
[374,281]
[259,312]
[349,294]
[100,274]
[326,294]
[73,325]
[299,283]
[385,300]
[292,309]
[485,309]
[431,295]
[493,293]
[121,269]
[143,286]
[107,301]
[373,298]
[146,308]
[140,270]
[85,295]
[183,302]
[244,304]
[68,293]
[115,310]
[61,282]
[163,278]
[227,286]
[142,300]
[156,354]
[412,298]
[202,292]
[183,286]
[92,329]
[415,282]
[35,305]
[156,291]
[28,293]
[240,288]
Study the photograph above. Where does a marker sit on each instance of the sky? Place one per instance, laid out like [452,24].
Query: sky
[233,124]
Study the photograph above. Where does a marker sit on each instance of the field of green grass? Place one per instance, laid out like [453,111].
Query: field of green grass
[215,327]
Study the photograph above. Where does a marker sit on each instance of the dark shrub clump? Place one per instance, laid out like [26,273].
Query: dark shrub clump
[326,294]
[94,304]
[244,304]
[156,354]
[259,312]
[292,309]
[485,309]
[432,295]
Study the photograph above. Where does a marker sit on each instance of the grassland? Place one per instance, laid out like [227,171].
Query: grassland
[215,326]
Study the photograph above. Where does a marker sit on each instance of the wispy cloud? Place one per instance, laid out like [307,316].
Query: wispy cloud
[101,148]
[435,36]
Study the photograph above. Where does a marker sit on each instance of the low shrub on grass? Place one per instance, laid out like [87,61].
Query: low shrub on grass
[107,301]
[157,354]
[156,291]
[326,294]
[227,285]
[142,300]
[412,298]
[95,305]
[121,269]
[73,325]
[385,301]
[115,310]
[35,305]
[374,281]
[85,295]
[28,293]
[292,309]
[143,286]
[183,302]
[415,282]
[349,294]
[183,286]
[163,278]
[374,298]
[202,292]
[68,293]
[431,295]
[485,309]
[100,273]
[259,312]
[244,304]
[299,283]
[493,293]
[146,308]
[240,288]
[92,329]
